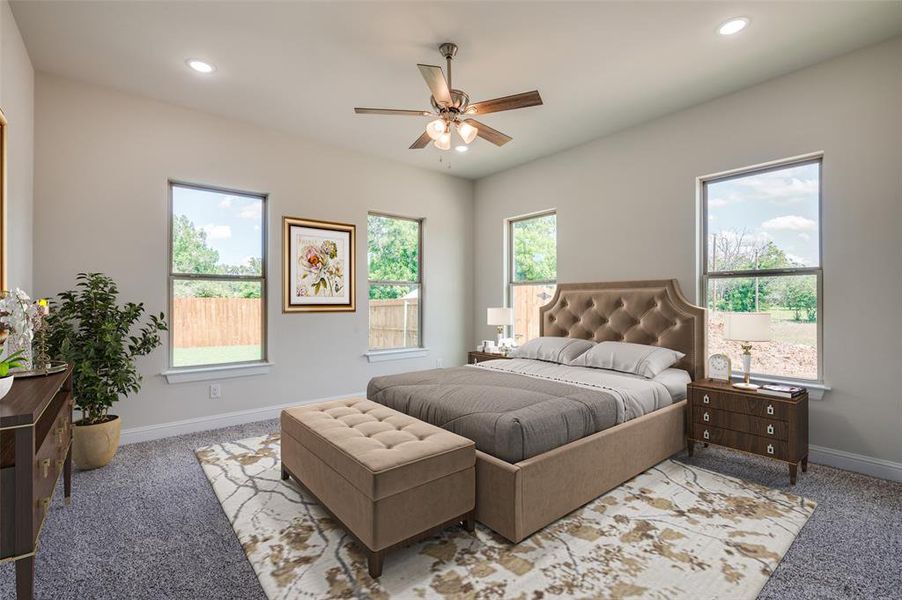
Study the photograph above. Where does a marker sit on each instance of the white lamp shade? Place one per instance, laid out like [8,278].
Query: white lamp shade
[747,327]
[500,316]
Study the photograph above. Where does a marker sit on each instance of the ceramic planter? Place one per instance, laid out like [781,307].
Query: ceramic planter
[5,384]
[96,445]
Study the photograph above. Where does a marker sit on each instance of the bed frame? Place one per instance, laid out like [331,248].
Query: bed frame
[516,500]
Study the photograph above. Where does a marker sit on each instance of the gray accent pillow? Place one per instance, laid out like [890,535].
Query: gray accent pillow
[558,350]
[639,359]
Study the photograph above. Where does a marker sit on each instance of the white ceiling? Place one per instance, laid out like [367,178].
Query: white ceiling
[302,67]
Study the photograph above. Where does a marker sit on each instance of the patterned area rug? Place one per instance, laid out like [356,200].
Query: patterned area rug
[672,532]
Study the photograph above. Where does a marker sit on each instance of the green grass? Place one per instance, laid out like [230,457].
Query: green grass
[214,355]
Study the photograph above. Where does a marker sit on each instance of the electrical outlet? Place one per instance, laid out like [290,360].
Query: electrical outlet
[439,363]
[215,391]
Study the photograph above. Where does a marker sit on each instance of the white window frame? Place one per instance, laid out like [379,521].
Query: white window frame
[181,374]
[379,354]
[818,272]
[509,277]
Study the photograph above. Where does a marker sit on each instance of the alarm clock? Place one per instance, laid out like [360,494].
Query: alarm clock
[720,367]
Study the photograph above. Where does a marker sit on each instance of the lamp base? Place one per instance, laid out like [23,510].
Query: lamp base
[746,386]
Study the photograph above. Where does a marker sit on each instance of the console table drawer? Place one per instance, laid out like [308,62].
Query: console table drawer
[739,403]
[766,428]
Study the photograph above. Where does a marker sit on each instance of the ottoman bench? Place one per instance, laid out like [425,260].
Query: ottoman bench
[388,478]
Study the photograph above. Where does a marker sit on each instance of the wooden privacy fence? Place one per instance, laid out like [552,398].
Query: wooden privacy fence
[394,323]
[200,322]
[203,322]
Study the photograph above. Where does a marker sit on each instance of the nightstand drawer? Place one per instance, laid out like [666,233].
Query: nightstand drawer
[758,406]
[741,441]
[766,428]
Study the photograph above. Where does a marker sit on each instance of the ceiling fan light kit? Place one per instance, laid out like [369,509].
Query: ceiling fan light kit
[451,109]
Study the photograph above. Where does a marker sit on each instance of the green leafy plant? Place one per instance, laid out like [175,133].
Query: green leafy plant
[101,339]
[13,361]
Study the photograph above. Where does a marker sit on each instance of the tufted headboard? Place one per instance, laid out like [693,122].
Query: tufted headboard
[643,312]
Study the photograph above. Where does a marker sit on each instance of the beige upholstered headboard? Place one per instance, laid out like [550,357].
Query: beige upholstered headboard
[643,312]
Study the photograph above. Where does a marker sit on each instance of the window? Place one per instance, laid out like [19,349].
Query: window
[762,253]
[532,270]
[217,276]
[395,266]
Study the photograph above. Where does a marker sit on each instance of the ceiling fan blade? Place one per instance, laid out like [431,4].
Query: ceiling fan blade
[489,134]
[435,79]
[421,142]
[506,103]
[392,111]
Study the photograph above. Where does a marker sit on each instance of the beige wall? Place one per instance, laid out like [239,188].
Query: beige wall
[103,159]
[17,102]
[627,210]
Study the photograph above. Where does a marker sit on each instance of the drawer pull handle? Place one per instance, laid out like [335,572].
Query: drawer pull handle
[770,448]
[706,435]
[59,464]
[60,432]
[45,467]
[706,400]
[770,409]
[770,430]
[44,504]
[706,417]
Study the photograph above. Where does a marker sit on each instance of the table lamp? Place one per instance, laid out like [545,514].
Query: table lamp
[746,328]
[500,317]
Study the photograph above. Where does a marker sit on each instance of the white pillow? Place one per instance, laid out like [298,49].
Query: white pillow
[559,350]
[639,359]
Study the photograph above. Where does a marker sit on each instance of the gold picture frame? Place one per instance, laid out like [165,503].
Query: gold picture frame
[318,266]
[3,137]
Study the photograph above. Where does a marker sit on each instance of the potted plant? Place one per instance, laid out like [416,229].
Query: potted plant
[13,361]
[101,339]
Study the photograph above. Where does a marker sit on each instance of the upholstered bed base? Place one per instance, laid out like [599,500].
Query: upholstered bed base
[516,500]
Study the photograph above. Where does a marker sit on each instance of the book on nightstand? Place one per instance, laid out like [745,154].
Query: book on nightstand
[781,391]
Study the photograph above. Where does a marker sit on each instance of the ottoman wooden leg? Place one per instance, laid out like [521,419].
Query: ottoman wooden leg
[470,521]
[284,473]
[374,563]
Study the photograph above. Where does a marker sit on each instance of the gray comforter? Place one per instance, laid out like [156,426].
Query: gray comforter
[512,417]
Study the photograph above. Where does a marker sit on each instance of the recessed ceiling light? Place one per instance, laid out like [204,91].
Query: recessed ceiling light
[733,26]
[200,66]
[461,148]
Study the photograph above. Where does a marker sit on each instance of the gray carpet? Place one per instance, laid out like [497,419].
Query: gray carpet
[148,526]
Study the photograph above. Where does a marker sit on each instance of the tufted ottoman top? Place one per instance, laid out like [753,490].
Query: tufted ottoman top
[380,451]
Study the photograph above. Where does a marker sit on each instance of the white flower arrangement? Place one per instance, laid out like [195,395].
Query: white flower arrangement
[18,314]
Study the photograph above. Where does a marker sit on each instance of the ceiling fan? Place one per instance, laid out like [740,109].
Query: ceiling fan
[453,109]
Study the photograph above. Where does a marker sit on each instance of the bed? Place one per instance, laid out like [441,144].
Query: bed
[551,438]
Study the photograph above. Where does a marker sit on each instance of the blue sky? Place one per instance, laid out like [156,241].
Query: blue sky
[233,223]
[779,206]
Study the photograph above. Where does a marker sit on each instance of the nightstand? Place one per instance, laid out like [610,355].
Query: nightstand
[477,356]
[750,422]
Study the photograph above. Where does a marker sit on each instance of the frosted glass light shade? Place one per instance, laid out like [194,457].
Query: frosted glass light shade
[467,132]
[435,129]
[747,327]
[500,316]
[443,142]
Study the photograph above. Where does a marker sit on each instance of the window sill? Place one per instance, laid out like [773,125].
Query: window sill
[399,354]
[815,390]
[190,374]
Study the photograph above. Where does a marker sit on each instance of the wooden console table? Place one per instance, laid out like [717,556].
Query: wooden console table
[35,449]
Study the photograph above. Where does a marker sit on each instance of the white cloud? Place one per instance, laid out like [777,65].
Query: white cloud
[779,189]
[790,223]
[251,211]
[226,202]
[804,237]
[217,232]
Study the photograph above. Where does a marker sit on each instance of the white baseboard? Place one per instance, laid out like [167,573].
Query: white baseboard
[164,430]
[875,467]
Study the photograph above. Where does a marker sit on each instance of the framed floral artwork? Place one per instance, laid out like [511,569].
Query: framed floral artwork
[318,271]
